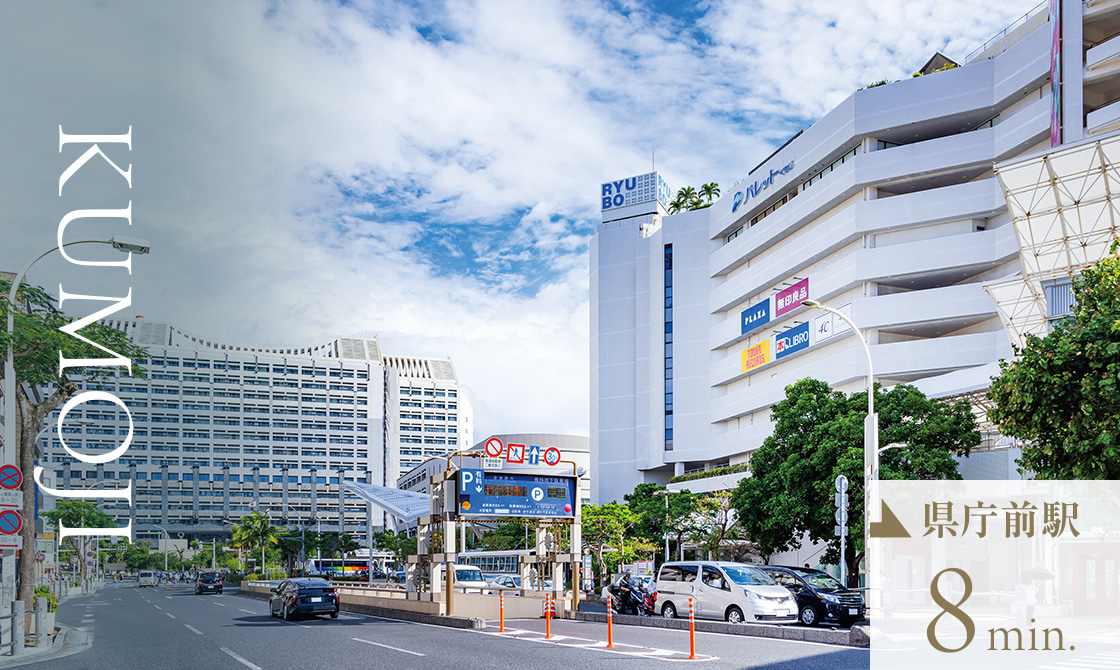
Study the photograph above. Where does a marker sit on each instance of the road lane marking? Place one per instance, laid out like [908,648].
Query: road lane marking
[378,644]
[157,607]
[219,604]
[246,611]
[168,597]
[241,660]
[171,615]
[193,629]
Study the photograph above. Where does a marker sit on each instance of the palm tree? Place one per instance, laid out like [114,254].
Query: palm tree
[677,204]
[255,530]
[709,191]
[686,195]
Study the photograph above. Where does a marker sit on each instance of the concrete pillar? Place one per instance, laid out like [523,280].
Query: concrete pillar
[225,491]
[341,501]
[163,504]
[284,494]
[257,490]
[66,475]
[314,495]
[196,508]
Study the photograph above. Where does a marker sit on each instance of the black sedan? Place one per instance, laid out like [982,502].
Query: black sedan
[306,595]
[820,597]
[208,582]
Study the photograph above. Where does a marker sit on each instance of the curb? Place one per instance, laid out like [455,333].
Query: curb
[856,637]
[401,615]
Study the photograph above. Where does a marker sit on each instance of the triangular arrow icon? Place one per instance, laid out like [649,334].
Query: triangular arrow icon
[890,526]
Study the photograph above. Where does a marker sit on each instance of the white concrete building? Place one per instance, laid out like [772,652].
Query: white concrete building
[222,430]
[887,208]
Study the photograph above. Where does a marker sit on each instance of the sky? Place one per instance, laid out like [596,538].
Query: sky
[422,172]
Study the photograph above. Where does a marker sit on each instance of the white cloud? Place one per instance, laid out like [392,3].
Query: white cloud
[301,170]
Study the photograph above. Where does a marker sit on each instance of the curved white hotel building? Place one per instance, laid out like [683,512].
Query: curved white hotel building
[889,208]
[221,430]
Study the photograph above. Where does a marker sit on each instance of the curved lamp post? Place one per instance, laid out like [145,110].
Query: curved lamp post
[870,432]
[127,245]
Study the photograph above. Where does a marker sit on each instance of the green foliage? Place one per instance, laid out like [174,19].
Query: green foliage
[818,435]
[52,599]
[657,514]
[876,84]
[729,470]
[77,514]
[688,198]
[603,528]
[1062,393]
[399,544]
[508,536]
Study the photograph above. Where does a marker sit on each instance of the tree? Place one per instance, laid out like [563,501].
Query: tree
[716,518]
[818,435]
[507,536]
[709,191]
[603,526]
[255,531]
[1062,392]
[77,514]
[673,513]
[676,204]
[38,343]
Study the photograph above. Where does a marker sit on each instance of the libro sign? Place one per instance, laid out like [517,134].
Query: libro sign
[792,341]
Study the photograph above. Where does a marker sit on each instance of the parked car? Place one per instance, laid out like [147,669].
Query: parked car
[466,577]
[306,595]
[735,592]
[820,597]
[147,578]
[208,582]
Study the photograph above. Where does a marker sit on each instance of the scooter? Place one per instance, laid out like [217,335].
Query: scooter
[639,602]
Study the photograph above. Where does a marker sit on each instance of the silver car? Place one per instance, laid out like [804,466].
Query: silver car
[733,592]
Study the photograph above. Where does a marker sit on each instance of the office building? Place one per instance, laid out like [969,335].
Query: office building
[223,430]
[890,208]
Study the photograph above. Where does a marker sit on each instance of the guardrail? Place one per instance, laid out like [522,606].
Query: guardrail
[1003,33]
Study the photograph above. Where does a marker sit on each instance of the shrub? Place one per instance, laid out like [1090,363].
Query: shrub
[52,599]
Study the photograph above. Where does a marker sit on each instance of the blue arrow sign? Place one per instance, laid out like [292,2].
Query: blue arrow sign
[534,454]
[469,480]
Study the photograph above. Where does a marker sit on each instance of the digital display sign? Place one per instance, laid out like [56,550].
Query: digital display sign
[513,494]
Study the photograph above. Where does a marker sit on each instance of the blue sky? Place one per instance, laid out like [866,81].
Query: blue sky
[425,172]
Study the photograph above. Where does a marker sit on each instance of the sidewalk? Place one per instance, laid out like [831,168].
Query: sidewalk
[67,640]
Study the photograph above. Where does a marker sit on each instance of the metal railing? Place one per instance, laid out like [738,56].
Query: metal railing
[1006,31]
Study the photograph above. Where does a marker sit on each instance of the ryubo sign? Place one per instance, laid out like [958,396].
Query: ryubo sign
[986,574]
[633,190]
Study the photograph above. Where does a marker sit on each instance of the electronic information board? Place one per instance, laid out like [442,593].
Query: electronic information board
[510,494]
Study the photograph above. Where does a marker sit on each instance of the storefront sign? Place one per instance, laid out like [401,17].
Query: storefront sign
[792,341]
[789,299]
[756,356]
[756,316]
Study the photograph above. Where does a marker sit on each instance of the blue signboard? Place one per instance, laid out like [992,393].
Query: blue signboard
[514,494]
[791,341]
[756,316]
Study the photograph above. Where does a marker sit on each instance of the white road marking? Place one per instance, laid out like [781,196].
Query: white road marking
[171,615]
[193,629]
[378,644]
[168,597]
[219,604]
[241,660]
[246,611]
[157,606]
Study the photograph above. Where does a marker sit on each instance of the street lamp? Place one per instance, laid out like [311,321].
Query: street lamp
[870,432]
[666,493]
[127,245]
[168,536]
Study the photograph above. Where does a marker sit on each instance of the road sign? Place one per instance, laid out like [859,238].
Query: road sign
[534,454]
[89,554]
[841,484]
[839,531]
[89,564]
[515,453]
[842,516]
[494,447]
[74,560]
[841,499]
[10,522]
[11,498]
[517,494]
[470,481]
[552,456]
[493,463]
[10,477]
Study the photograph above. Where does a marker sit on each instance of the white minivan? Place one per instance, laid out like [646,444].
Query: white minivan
[733,592]
[147,578]
[467,577]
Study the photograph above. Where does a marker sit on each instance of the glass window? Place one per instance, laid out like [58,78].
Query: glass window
[747,575]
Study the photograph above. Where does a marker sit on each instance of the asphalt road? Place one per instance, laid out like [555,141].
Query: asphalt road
[168,628]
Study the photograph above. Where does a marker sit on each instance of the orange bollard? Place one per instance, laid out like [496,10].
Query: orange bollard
[501,611]
[547,616]
[610,623]
[691,630]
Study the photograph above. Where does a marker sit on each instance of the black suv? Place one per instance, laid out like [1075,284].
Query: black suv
[820,597]
[208,582]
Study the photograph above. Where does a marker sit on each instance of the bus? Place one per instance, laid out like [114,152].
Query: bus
[351,566]
[493,563]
